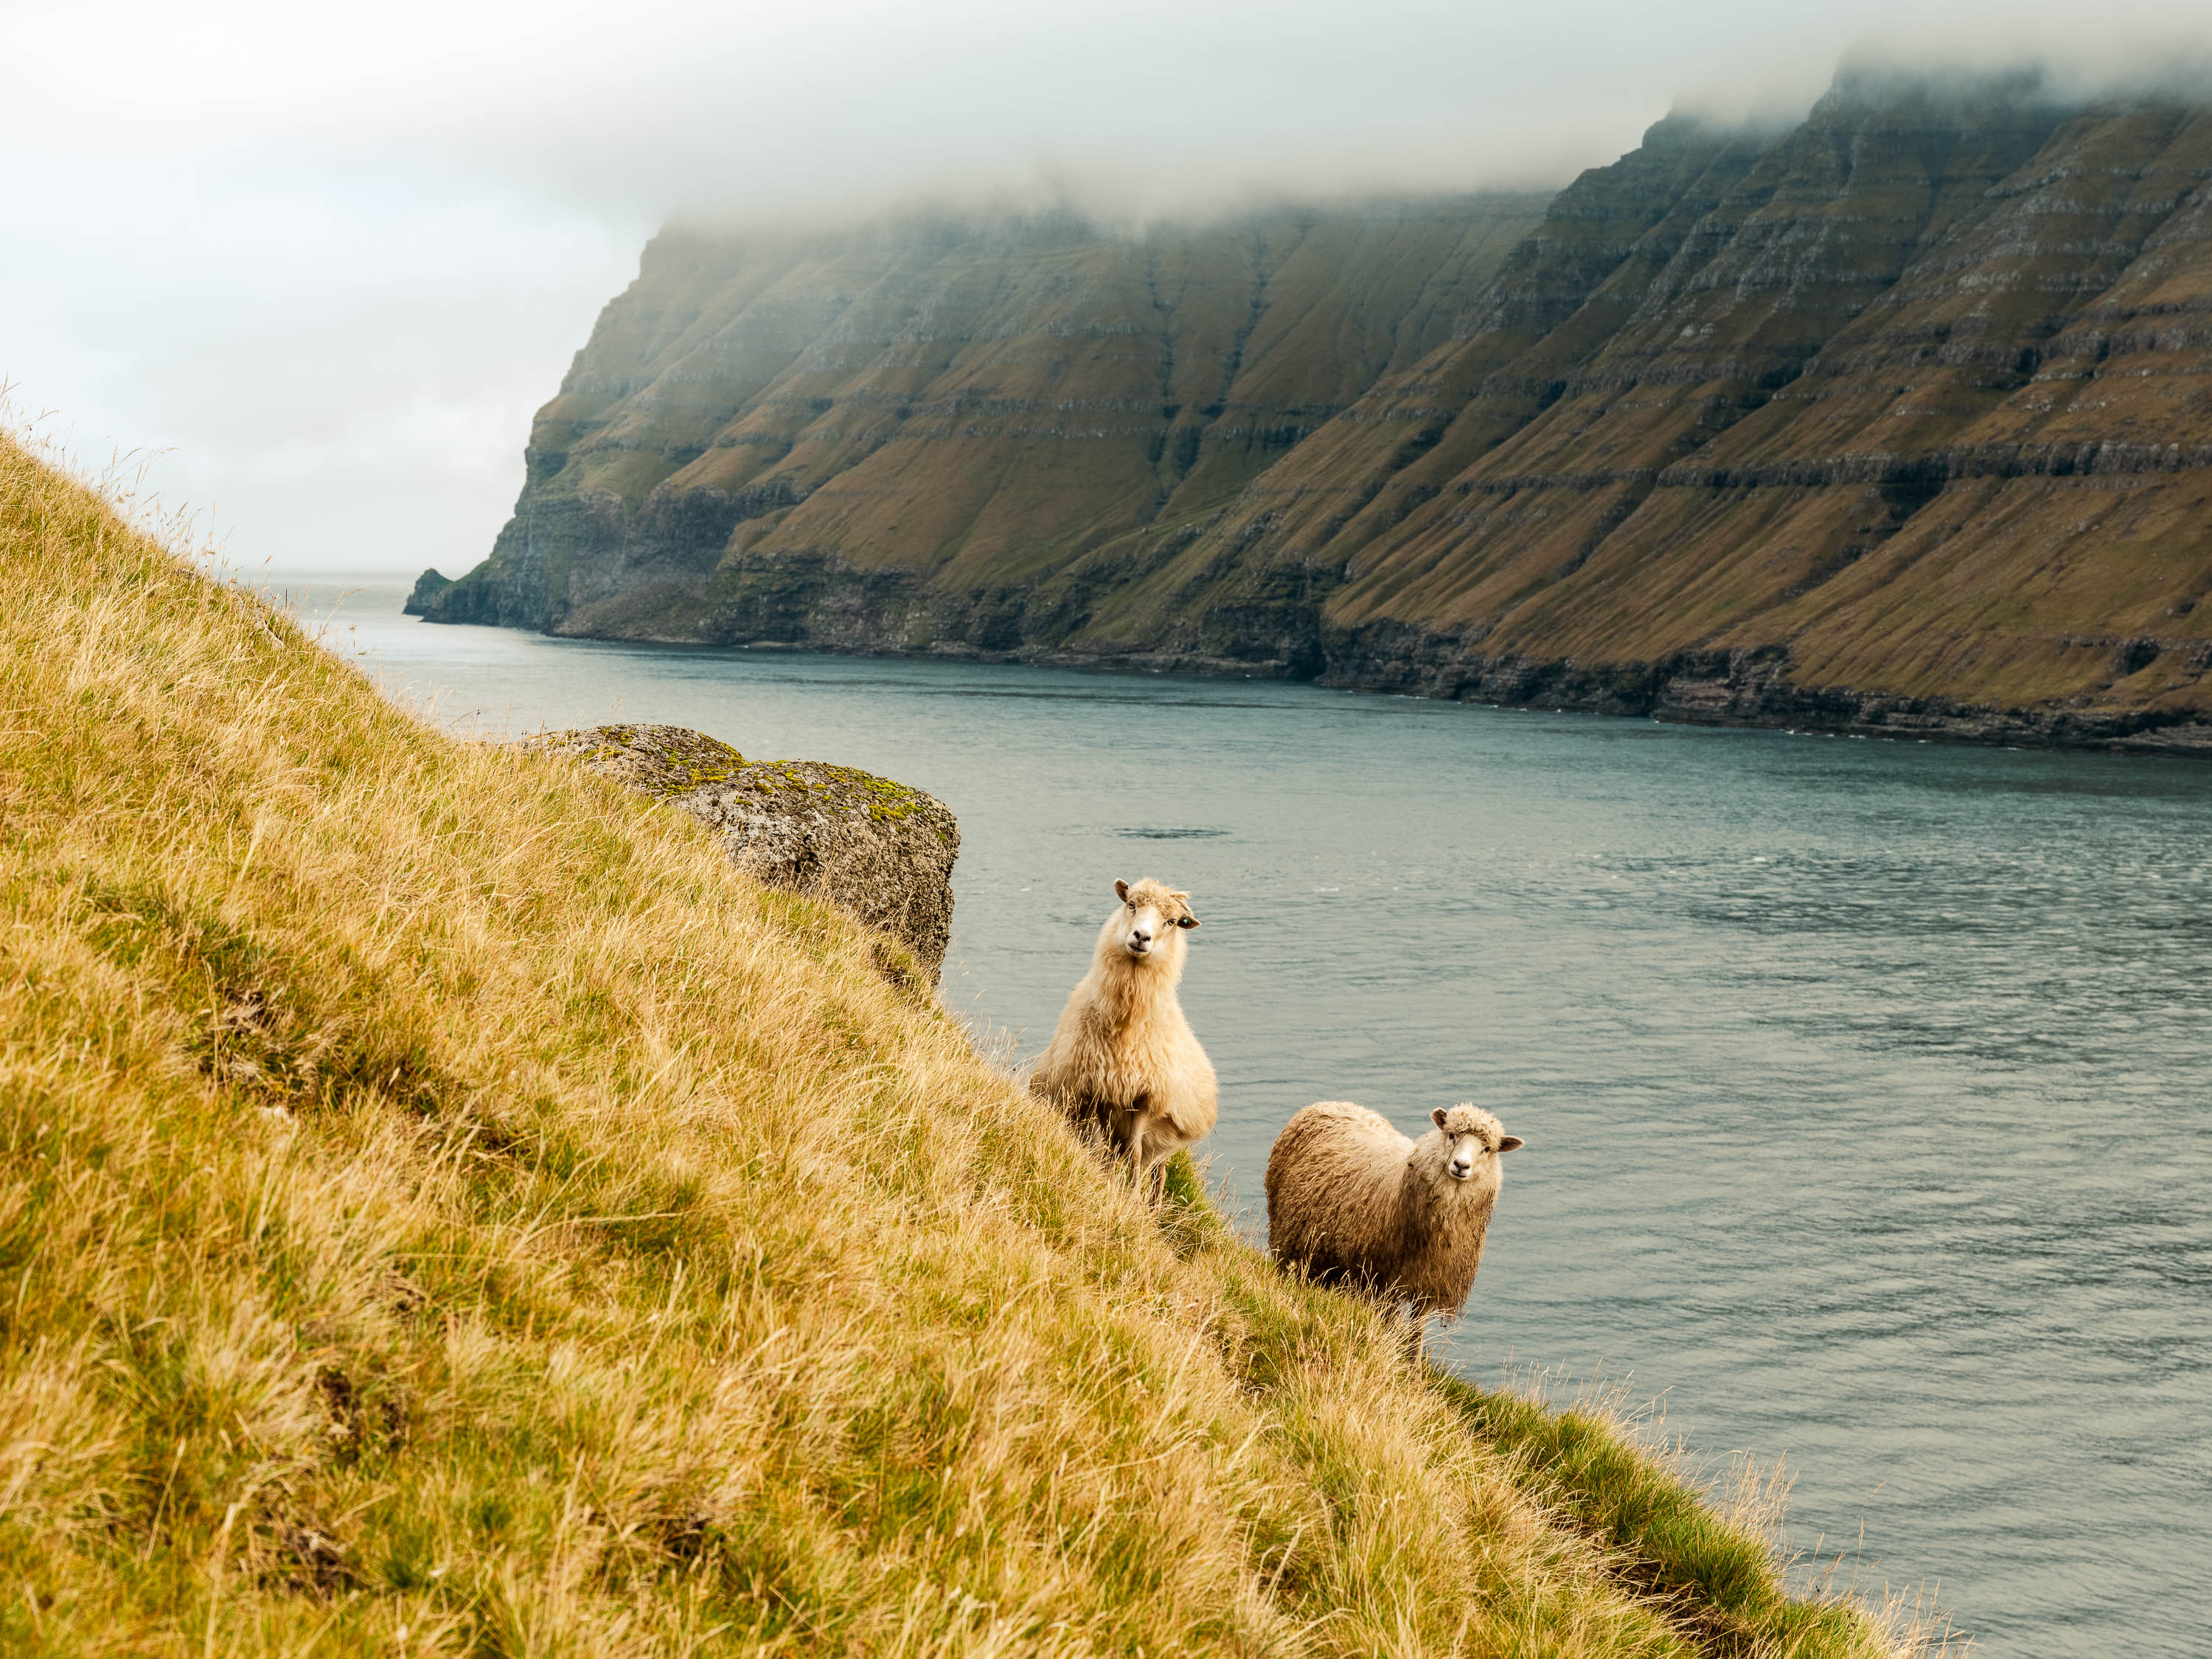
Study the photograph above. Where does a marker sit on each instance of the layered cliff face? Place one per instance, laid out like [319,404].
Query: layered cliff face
[1896,421]
[926,432]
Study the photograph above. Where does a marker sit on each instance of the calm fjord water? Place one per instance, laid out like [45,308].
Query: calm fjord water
[1863,1083]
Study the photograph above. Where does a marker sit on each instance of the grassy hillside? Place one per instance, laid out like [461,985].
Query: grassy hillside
[446,1209]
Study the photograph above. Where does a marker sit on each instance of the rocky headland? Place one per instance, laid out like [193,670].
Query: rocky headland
[1893,422]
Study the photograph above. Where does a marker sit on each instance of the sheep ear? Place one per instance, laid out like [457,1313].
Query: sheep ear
[1510,1143]
[1436,1117]
[1121,890]
[1186,922]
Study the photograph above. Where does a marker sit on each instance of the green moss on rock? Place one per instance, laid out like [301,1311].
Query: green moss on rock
[882,849]
[660,761]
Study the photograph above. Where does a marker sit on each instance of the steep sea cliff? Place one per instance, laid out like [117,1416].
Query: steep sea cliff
[1893,422]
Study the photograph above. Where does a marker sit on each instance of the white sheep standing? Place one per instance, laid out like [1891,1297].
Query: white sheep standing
[1352,1201]
[1123,1060]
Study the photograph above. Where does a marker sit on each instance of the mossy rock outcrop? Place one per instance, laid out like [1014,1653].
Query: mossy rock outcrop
[882,850]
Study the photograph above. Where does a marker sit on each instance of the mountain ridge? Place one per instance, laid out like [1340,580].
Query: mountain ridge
[1893,421]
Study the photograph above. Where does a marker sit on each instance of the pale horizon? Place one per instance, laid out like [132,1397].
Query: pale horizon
[312,281]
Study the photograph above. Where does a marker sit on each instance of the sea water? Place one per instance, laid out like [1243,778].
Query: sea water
[1864,1083]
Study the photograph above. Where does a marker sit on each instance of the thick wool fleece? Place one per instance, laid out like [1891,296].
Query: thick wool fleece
[1124,1058]
[1351,1201]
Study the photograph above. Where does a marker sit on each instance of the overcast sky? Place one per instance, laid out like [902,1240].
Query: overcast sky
[321,264]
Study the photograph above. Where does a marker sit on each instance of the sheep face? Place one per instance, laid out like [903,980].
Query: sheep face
[1151,923]
[1470,1136]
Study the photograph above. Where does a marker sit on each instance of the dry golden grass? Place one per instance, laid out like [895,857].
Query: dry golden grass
[446,1209]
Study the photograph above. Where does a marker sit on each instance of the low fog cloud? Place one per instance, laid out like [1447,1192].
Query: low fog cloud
[330,262]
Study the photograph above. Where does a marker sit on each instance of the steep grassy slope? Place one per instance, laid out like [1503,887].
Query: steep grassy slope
[445,1208]
[1895,421]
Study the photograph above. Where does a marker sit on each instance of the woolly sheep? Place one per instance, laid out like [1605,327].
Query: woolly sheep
[1351,1201]
[1123,1060]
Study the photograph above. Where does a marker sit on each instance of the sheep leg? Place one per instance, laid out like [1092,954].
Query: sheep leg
[1140,1167]
[1133,1146]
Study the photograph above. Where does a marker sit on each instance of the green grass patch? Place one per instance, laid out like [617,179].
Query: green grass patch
[1718,1579]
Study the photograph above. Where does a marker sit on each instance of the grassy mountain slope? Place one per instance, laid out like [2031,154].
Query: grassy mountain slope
[447,1209]
[1906,401]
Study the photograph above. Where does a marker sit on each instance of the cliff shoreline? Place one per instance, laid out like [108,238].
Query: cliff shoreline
[1891,423]
[1748,689]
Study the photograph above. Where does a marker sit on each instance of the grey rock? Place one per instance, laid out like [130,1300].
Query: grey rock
[880,849]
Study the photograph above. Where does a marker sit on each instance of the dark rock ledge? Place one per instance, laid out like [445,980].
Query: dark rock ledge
[1754,688]
[880,849]
[427,587]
